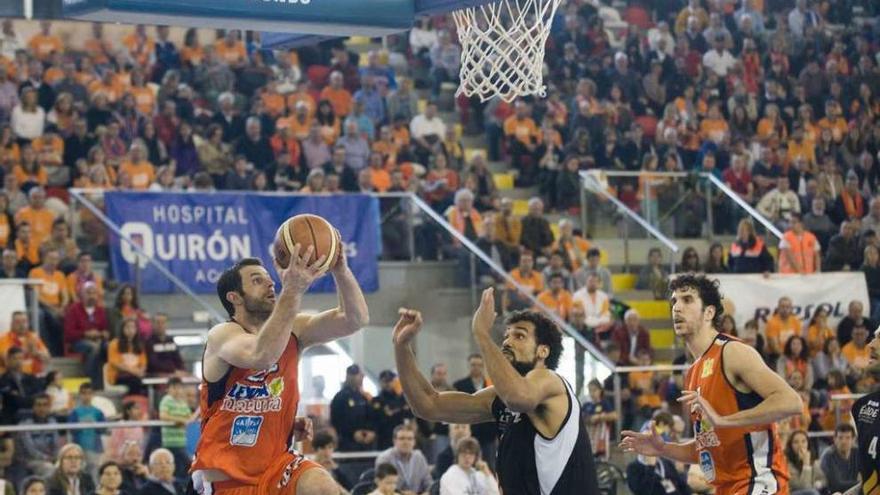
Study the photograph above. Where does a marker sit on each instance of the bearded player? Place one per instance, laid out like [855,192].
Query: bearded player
[544,446]
[866,413]
[249,393]
[734,399]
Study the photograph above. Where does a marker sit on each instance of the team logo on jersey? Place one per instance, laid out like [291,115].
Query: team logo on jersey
[507,418]
[868,412]
[247,398]
[707,466]
[708,367]
[260,376]
[245,430]
[705,434]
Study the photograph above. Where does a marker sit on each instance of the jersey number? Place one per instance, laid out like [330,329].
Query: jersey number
[872,448]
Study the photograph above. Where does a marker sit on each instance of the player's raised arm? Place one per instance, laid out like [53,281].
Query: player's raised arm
[347,318]
[238,347]
[425,401]
[746,366]
[522,394]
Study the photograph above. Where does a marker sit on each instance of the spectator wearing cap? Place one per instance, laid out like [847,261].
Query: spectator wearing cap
[350,413]
[799,249]
[843,250]
[390,409]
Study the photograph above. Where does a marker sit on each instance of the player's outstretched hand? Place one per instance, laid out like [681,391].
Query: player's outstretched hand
[303,429]
[649,443]
[341,262]
[485,316]
[299,273]
[407,326]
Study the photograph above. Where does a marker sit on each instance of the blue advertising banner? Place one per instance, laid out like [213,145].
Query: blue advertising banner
[197,236]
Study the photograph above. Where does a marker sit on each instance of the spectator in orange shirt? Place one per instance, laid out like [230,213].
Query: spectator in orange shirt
[304,95]
[782,325]
[35,356]
[231,49]
[127,358]
[53,299]
[378,174]
[337,95]
[145,99]
[299,123]
[529,281]
[856,352]
[556,297]
[273,101]
[140,46]
[44,43]
[30,172]
[97,46]
[714,128]
[522,137]
[141,172]
[37,215]
[62,241]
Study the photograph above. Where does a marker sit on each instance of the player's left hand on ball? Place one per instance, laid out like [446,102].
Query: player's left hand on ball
[698,403]
[303,428]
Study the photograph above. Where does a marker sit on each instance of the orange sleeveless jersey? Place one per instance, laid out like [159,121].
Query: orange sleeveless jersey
[737,461]
[249,418]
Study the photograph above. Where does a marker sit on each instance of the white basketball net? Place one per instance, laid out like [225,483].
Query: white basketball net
[503,48]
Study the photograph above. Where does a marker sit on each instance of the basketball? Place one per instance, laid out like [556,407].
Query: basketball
[306,230]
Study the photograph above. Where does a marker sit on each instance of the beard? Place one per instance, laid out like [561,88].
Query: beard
[523,367]
[259,308]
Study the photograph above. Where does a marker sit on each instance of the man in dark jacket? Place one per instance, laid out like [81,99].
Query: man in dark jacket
[843,250]
[536,236]
[350,414]
[161,479]
[390,409]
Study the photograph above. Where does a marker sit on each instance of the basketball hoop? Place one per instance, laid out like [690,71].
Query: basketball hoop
[503,48]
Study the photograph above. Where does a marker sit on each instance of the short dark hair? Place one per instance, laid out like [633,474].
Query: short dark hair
[174,380]
[593,252]
[664,418]
[107,465]
[475,355]
[385,470]
[546,333]
[14,351]
[323,438]
[402,427]
[85,386]
[706,287]
[230,281]
[41,396]
[844,428]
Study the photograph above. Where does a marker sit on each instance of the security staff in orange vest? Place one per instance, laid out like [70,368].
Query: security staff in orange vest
[799,249]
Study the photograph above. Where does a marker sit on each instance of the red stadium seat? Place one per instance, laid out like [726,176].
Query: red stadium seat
[318,75]
[649,125]
[638,16]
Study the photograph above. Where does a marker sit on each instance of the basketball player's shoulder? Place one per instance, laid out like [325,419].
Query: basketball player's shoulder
[221,332]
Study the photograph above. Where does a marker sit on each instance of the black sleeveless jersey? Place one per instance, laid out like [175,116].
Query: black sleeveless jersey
[530,464]
[866,412]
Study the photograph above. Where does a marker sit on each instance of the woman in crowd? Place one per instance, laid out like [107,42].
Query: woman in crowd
[690,261]
[469,474]
[31,486]
[109,480]
[70,477]
[806,474]
[61,402]
[127,359]
[796,357]
[829,359]
[819,331]
[715,259]
[127,306]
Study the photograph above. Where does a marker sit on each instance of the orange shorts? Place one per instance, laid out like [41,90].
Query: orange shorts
[757,488]
[279,479]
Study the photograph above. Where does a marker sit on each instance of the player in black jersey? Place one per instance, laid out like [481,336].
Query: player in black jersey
[544,448]
[866,413]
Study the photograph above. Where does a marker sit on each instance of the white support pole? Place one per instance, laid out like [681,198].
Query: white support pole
[28,9]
